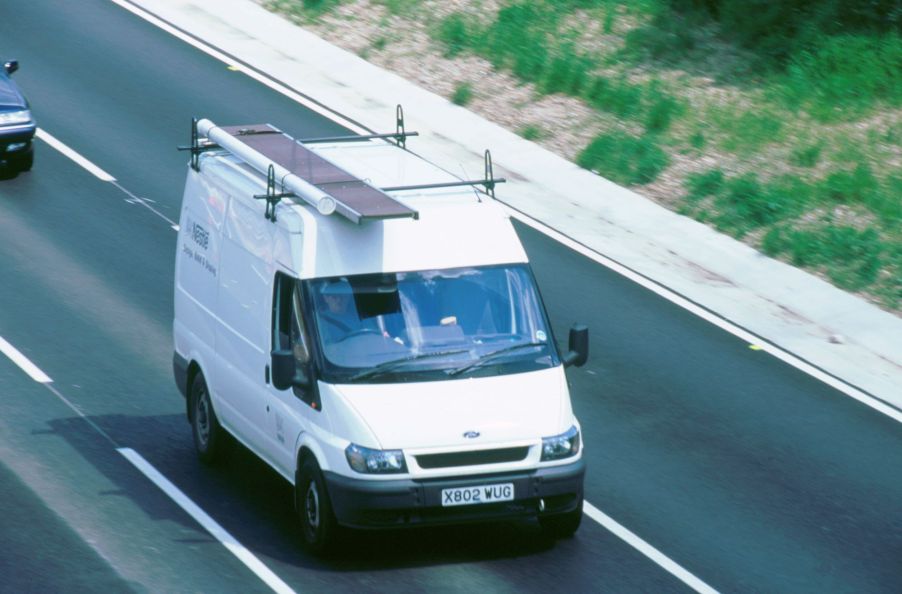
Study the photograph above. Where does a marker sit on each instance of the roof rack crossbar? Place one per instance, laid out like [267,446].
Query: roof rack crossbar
[472,182]
[396,136]
[488,182]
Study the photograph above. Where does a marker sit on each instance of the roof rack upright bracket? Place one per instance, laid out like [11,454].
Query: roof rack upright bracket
[490,180]
[400,134]
[271,196]
[196,147]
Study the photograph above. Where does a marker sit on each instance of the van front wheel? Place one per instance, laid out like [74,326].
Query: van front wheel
[319,529]
[205,427]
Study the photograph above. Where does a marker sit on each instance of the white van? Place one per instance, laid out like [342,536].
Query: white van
[369,325]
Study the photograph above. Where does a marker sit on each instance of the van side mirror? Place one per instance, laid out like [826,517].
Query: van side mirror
[11,66]
[285,372]
[579,346]
[283,368]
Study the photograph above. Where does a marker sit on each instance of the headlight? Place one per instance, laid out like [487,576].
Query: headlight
[370,461]
[561,446]
[9,118]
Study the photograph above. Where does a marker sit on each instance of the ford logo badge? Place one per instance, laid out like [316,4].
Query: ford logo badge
[471,434]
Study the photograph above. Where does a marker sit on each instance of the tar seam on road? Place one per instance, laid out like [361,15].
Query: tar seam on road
[174,493]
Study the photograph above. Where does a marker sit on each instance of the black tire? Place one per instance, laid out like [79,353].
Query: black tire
[208,434]
[26,162]
[565,525]
[319,529]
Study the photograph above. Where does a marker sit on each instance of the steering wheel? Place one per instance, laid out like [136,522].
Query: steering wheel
[359,332]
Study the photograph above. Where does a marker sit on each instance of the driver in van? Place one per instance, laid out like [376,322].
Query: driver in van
[339,320]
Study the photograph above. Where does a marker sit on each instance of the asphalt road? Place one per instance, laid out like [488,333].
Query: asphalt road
[746,472]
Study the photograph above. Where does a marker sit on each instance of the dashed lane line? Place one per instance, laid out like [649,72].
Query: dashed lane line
[209,524]
[75,156]
[100,173]
[23,362]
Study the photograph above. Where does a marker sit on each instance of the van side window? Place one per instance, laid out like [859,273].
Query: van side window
[288,324]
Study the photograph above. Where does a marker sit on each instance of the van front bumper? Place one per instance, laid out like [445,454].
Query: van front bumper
[361,503]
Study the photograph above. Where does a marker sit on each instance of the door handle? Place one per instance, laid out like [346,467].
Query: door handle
[266,374]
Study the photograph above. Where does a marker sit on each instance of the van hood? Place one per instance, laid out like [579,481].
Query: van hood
[524,406]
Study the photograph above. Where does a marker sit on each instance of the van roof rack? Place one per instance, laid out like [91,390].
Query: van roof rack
[304,174]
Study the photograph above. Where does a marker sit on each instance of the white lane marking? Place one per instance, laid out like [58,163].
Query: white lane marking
[24,364]
[708,316]
[100,173]
[307,102]
[220,533]
[61,147]
[646,549]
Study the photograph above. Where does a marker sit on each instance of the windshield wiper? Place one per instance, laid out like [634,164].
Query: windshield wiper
[494,354]
[389,365]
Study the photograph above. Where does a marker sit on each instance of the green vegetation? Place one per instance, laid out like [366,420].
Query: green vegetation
[845,77]
[537,41]
[623,158]
[530,132]
[864,252]
[404,8]
[852,258]
[462,94]
[797,101]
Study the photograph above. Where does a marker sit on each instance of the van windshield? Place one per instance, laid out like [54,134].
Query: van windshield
[417,326]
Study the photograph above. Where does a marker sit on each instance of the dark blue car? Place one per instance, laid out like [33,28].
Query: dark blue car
[17,127]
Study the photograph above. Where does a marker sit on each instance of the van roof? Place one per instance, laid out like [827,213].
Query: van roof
[436,220]
[355,197]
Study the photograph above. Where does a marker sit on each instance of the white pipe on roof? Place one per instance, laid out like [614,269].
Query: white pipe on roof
[301,188]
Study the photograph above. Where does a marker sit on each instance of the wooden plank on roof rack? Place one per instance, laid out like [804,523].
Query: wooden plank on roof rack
[355,199]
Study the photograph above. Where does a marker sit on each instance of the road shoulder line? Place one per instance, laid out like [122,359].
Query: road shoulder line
[887,408]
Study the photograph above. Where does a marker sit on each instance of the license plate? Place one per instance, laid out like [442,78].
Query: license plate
[481,494]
